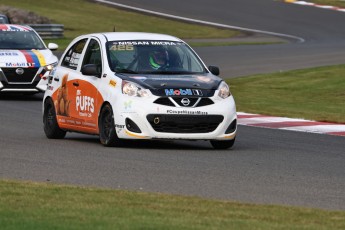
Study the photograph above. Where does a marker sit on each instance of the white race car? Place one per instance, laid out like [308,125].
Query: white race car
[25,61]
[137,86]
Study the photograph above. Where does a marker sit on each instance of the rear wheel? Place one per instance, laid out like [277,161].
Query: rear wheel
[107,132]
[222,144]
[50,125]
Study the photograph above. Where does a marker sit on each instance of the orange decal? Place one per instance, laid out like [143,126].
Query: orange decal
[62,103]
[77,104]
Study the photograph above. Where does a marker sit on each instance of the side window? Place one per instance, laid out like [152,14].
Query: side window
[93,55]
[72,57]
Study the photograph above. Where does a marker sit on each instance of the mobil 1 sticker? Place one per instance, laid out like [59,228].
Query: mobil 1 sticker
[183,92]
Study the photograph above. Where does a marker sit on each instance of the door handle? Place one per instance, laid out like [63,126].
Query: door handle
[76,83]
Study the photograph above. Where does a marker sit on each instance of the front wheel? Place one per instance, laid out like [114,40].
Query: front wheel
[50,125]
[107,132]
[222,144]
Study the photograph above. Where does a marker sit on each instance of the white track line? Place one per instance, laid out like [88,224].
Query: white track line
[292,124]
[304,3]
[299,39]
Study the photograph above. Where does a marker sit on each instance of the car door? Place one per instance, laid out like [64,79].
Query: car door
[88,99]
[77,96]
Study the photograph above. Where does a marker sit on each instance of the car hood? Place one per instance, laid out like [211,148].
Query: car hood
[178,85]
[26,58]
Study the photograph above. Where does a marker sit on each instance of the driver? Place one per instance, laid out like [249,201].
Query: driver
[158,58]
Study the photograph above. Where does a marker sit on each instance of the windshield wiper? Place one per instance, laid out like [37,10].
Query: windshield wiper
[125,71]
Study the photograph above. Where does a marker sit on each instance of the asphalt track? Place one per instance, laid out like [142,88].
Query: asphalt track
[322,30]
[265,166]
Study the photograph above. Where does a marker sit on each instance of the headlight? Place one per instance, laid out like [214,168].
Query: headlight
[132,89]
[50,67]
[224,90]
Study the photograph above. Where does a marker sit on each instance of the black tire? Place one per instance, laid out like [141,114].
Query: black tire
[50,125]
[222,144]
[107,132]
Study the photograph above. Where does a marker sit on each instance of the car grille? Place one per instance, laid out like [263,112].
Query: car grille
[193,101]
[13,77]
[184,123]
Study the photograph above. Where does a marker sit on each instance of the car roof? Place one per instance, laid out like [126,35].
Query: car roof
[121,36]
[14,27]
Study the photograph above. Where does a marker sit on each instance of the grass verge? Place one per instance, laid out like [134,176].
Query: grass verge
[339,3]
[315,94]
[26,205]
[82,16]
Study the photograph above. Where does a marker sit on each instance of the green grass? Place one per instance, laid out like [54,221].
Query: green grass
[82,16]
[27,205]
[316,94]
[339,3]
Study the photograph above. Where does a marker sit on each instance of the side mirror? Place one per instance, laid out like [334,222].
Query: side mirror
[53,46]
[214,70]
[91,70]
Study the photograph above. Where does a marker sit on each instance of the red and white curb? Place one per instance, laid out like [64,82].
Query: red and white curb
[315,5]
[292,124]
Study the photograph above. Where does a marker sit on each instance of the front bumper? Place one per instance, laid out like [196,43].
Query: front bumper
[154,121]
[37,84]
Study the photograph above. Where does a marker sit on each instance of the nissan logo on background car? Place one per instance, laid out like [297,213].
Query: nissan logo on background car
[19,71]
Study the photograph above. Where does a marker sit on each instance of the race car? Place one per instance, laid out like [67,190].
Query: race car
[127,85]
[25,61]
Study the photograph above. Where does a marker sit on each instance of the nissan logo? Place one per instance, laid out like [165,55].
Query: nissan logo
[19,71]
[185,101]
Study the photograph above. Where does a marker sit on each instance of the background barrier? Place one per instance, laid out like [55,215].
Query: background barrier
[49,30]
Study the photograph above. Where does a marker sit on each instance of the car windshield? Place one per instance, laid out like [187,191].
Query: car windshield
[153,57]
[20,39]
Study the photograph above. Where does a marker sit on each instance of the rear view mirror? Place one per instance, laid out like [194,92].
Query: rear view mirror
[91,70]
[53,46]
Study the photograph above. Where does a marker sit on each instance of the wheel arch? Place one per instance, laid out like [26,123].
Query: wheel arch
[44,105]
[100,109]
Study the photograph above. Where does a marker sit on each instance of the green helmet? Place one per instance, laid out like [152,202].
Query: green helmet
[158,58]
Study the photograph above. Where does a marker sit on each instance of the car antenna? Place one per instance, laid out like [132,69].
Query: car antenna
[114,30]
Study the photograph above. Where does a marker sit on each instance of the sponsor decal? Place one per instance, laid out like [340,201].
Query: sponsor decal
[186,112]
[84,104]
[76,106]
[112,83]
[183,92]
[128,104]
[178,92]
[119,126]
[20,64]
[9,54]
[128,45]
[197,92]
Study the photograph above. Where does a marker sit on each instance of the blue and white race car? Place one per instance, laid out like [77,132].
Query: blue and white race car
[137,86]
[25,61]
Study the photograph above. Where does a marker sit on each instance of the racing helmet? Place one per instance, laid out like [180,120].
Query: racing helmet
[158,58]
